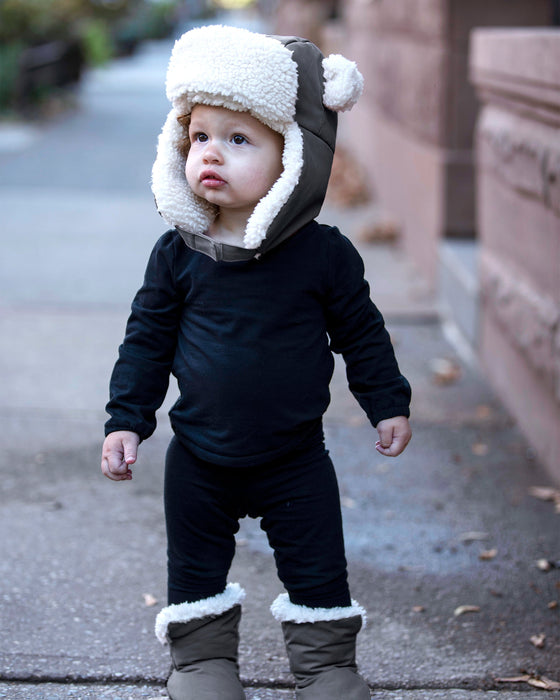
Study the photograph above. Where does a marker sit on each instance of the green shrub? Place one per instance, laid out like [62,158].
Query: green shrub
[160,19]
[94,28]
[33,21]
[151,20]
[10,55]
[97,42]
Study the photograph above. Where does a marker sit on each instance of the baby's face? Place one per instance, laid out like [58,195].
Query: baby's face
[233,160]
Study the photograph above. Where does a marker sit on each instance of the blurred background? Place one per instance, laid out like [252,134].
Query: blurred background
[452,154]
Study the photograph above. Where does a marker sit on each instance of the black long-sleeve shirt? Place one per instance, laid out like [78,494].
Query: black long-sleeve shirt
[251,344]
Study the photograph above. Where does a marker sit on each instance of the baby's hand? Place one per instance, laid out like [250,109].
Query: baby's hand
[394,436]
[119,452]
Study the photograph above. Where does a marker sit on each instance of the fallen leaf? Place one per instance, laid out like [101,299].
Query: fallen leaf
[462,609]
[480,449]
[418,608]
[546,493]
[541,682]
[553,605]
[483,412]
[544,683]
[487,554]
[149,600]
[538,640]
[383,229]
[473,536]
[445,371]
[514,679]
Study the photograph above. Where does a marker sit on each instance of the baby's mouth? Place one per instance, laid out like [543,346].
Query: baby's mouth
[211,179]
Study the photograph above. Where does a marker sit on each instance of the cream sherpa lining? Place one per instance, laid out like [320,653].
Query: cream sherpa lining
[234,68]
[176,202]
[185,612]
[285,611]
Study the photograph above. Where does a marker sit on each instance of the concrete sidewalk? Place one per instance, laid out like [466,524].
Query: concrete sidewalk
[451,523]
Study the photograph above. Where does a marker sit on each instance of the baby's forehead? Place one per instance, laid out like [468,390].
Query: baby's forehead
[224,114]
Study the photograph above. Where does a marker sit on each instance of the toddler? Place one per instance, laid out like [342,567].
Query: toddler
[245,299]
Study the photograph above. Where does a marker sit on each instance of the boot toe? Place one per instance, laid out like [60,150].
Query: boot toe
[340,683]
[215,679]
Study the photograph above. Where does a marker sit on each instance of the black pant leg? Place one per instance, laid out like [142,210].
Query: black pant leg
[300,505]
[201,521]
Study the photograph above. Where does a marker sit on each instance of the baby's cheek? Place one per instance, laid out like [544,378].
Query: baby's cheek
[189,174]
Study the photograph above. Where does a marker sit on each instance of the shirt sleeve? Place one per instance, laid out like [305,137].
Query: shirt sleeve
[357,330]
[140,377]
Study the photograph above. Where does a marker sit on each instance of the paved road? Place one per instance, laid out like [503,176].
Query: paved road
[80,553]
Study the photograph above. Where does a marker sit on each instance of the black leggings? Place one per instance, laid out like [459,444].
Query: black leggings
[296,497]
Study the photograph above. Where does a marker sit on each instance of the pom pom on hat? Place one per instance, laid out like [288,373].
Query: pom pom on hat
[343,83]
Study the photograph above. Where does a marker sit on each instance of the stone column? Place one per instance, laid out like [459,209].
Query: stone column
[517,76]
[413,131]
[305,18]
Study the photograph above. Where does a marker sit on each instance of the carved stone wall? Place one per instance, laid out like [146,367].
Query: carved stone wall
[517,74]
[417,118]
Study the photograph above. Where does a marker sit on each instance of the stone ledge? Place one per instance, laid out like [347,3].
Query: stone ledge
[518,65]
[459,286]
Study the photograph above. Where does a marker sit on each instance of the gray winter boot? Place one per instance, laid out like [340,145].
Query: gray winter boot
[203,639]
[321,646]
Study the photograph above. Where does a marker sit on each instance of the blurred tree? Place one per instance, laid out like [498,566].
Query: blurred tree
[33,21]
[44,43]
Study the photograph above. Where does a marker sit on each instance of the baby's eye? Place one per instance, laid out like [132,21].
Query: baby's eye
[238,139]
[200,136]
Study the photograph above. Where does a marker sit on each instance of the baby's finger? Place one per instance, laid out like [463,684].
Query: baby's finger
[130,451]
[389,451]
[115,472]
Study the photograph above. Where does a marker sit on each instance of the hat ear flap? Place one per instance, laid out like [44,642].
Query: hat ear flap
[343,83]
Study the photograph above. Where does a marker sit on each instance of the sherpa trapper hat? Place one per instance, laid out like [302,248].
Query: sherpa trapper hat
[287,84]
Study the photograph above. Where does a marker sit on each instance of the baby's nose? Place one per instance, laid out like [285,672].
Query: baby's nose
[212,153]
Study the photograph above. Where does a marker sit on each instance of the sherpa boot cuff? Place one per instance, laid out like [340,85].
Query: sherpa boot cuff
[284,610]
[185,612]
